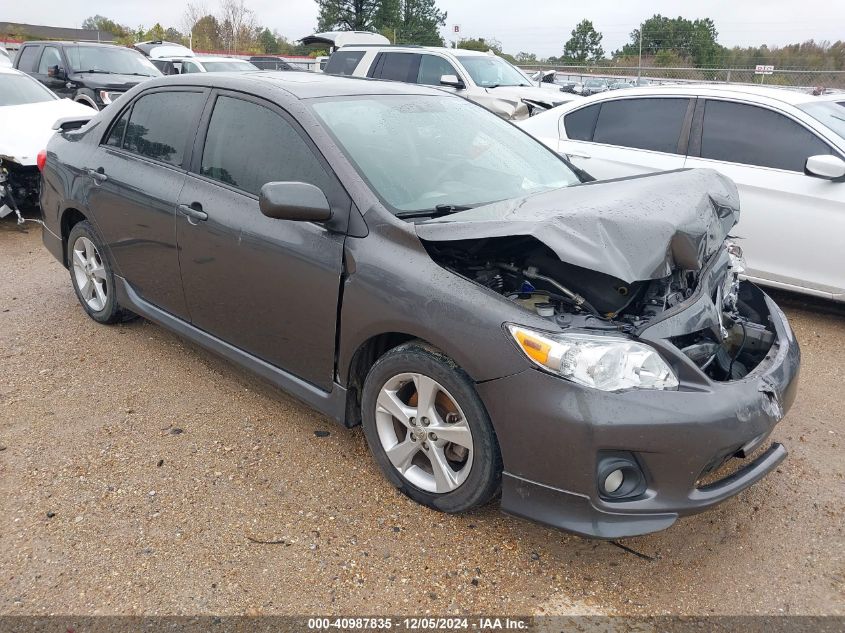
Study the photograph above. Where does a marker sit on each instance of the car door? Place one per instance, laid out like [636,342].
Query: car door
[267,286]
[132,186]
[51,71]
[396,67]
[791,225]
[627,136]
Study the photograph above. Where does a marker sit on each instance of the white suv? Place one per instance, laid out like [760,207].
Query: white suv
[784,149]
[481,77]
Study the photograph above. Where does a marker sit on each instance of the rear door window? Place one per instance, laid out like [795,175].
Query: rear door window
[28,55]
[160,125]
[397,67]
[49,58]
[748,134]
[343,62]
[653,123]
[581,124]
[248,145]
[432,68]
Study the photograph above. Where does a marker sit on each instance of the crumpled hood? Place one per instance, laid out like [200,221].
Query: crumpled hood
[552,96]
[26,129]
[634,229]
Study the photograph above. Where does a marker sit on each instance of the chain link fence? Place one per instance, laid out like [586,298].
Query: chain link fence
[804,79]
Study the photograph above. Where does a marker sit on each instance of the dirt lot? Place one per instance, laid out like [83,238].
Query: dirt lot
[139,474]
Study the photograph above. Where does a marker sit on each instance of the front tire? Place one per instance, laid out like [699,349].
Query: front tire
[92,276]
[429,431]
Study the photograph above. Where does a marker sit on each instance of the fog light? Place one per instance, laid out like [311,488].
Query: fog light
[613,481]
[619,476]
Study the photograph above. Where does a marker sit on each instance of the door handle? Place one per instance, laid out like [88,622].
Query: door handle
[97,174]
[192,212]
[577,154]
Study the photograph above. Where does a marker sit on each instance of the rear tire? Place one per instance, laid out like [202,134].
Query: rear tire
[429,431]
[92,276]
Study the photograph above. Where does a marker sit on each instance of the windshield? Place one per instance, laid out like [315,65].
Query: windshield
[829,113]
[109,59]
[488,71]
[220,67]
[418,152]
[22,89]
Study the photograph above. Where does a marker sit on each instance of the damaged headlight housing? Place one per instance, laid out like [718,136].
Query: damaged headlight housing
[609,363]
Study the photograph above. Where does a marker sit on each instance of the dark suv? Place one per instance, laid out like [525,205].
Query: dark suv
[93,74]
[401,258]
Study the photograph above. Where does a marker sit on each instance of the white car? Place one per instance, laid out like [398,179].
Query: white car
[215,65]
[28,114]
[484,78]
[784,149]
[5,58]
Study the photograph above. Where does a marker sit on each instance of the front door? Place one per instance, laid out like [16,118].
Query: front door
[52,71]
[132,184]
[269,287]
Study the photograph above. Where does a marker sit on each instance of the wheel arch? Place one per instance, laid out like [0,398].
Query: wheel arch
[364,357]
[70,217]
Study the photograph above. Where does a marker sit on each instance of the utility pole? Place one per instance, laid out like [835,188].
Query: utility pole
[640,61]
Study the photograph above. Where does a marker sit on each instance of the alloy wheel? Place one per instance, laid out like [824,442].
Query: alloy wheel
[424,432]
[89,273]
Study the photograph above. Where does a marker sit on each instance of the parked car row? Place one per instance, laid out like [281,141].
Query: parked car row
[480,77]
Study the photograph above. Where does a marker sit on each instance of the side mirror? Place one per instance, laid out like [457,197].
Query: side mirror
[825,166]
[56,72]
[453,81]
[296,201]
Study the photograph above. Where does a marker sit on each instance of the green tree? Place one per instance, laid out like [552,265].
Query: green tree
[584,44]
[122,34]
[206,34]
[693,41]
[347,15]
[421,22]
[156,32]
[267,42]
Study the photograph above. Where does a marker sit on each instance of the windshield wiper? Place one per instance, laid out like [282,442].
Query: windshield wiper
[437,211]
[95,71]
[136,74]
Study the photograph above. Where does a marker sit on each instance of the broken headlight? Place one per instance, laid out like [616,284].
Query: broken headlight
[609,363]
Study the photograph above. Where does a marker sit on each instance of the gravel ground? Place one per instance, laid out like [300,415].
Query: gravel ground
[141,475]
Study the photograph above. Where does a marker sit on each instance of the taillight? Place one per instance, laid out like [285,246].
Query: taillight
[41,160]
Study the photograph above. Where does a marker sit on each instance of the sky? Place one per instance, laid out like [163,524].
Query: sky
[538,26]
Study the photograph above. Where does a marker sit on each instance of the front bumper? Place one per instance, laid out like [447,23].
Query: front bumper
[551,433]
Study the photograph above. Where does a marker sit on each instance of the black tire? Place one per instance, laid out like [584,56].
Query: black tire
[111,312]
[484,479]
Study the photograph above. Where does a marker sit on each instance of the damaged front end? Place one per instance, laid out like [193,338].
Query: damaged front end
[645,258]
[19,187]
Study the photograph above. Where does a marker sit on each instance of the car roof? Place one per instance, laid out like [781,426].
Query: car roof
[299,84]
[66,43]
[10,71]
[740,91]
[216,58]
[458,52]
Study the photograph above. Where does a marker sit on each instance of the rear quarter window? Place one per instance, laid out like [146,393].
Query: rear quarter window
[26,58]
[580,124]
[343,62]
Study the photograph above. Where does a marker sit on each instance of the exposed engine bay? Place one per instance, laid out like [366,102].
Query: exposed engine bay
[527,272]
[18,188]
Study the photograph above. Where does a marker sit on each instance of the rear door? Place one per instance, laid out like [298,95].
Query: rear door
[791,225]
[627,136]
[132,185]
[270,287]
[396,67]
